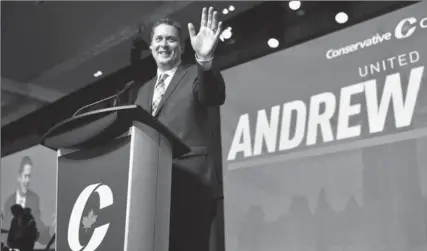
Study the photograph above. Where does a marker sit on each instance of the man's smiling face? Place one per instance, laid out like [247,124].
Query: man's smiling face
[166,46]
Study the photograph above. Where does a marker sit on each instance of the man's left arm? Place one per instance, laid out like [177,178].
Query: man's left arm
[209,87]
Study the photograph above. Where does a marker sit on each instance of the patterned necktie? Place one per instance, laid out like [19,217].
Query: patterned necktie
[159,91]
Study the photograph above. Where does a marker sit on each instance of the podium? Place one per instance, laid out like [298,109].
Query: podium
[113,180]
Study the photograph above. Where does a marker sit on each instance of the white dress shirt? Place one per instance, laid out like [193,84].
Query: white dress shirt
[21,200]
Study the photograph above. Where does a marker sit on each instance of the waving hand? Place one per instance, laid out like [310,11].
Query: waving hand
[204,42]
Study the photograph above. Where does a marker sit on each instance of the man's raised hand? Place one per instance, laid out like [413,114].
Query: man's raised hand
[204,42]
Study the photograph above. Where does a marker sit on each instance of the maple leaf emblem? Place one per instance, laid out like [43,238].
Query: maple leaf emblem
[89,220]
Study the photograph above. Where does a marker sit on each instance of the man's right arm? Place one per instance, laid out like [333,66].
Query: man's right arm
[6,213]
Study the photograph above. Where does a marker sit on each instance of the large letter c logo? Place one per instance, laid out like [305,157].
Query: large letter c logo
[105,200]
[398,31]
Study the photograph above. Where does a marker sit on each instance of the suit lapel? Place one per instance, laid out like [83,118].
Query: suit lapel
[177,77]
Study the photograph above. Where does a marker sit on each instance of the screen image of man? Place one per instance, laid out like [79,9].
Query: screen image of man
[186,98]
[26,198]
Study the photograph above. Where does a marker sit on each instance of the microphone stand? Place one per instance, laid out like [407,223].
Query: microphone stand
[52,239]
[116,96]
[1,228]
[138,45]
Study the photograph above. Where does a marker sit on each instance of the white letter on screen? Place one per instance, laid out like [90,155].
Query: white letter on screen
[242,139]
[286,142]
[323,120]
[403,109]
[346,109]
[266,130]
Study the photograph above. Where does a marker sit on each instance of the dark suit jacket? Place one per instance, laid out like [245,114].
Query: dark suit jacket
[190,108]
[32,202]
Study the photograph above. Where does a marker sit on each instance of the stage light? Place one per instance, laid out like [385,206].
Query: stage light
[341,17]
[273,43]
[97,74]
[294,5]
[231,8]
[226,34]
[225,11]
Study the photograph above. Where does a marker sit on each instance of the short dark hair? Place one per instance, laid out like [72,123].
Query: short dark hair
[25,161]
[16,210]
[168,21]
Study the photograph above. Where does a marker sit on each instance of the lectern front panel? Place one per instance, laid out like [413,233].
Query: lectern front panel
[116,196]
[91,204]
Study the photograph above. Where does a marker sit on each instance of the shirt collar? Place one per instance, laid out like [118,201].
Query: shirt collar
[18,195]
[170,72]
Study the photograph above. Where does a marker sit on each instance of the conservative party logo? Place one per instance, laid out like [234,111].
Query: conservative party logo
[405,28]
[81,222]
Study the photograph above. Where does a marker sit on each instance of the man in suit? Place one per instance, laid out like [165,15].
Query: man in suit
[186,99]
[27,198]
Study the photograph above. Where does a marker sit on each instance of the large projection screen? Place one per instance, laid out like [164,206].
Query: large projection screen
[325,143]
[39,182]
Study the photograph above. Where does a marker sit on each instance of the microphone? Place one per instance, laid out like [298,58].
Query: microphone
[115,102]
[123,90]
